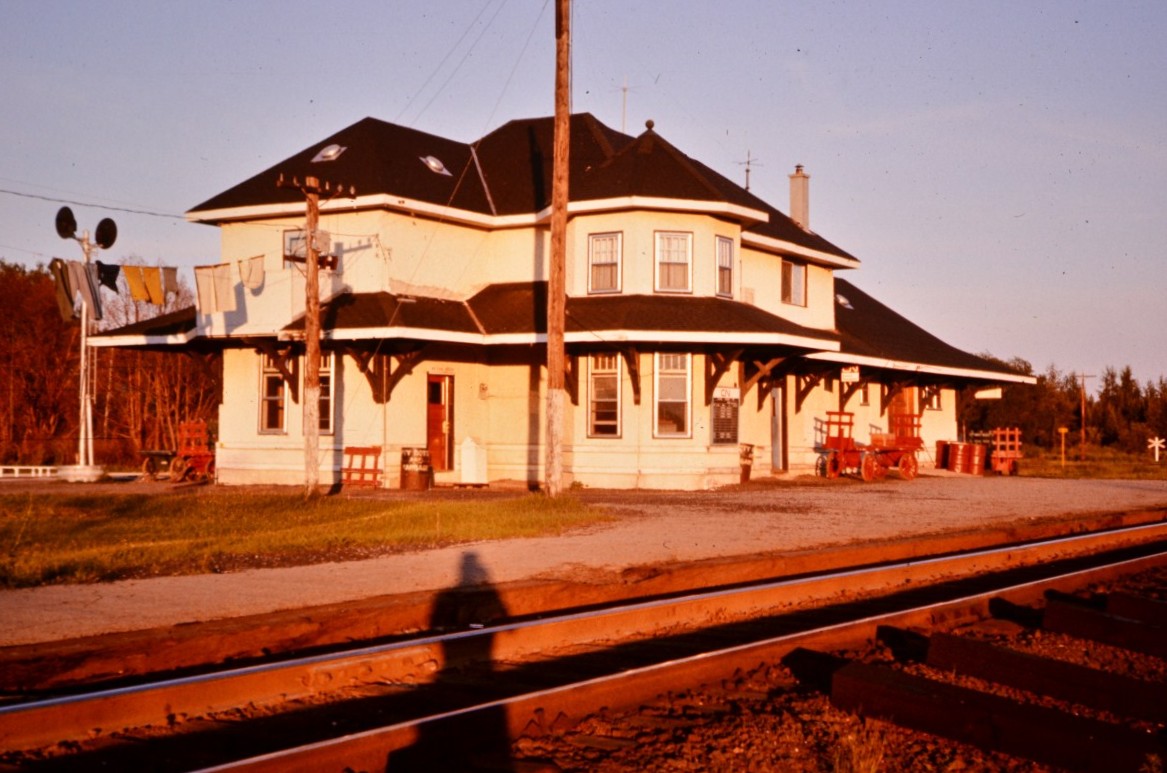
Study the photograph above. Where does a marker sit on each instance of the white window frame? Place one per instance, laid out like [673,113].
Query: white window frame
[665,370]
[269,374]
[794,283]
[326,391]
[930,399]
[674,239]
[725,260]
[596,245]
[604,366]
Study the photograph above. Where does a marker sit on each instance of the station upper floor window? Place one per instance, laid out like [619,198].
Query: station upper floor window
[674,252]
[725,266]
[793,283]
[604,263]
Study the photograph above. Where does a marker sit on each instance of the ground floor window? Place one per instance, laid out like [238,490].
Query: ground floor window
[930,398]
[672,395]
[604,396]
[271,397]
[326,360]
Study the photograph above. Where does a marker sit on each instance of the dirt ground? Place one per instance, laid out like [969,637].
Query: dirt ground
[651,528]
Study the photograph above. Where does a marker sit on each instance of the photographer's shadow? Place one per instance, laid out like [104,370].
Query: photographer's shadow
[484,743]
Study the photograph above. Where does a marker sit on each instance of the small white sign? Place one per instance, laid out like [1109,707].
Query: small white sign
[850,375]
[1156,444]
[727,393]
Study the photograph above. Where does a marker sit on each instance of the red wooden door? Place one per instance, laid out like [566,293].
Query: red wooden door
[440,421]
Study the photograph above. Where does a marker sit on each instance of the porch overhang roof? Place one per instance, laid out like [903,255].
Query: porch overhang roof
[515,314]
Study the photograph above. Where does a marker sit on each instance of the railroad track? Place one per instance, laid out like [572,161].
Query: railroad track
[469,693]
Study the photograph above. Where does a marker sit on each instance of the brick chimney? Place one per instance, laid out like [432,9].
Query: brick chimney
[800,198]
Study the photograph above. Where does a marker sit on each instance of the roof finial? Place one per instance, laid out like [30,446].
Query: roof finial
[649,124]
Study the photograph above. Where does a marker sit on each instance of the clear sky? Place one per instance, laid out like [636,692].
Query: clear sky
[999,167]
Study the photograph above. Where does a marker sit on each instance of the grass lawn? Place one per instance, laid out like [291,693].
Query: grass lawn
[48,538]
[1099,463]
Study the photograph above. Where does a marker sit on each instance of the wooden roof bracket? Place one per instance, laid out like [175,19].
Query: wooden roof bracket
[632,362]
[406,362]
[762,371]
[804,384]
[848,391]
[717,364]
[378,369]
[283,359]
[888,392]
[204,360]
[571,376]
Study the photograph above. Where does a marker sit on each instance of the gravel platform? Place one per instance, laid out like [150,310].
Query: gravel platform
[651,528]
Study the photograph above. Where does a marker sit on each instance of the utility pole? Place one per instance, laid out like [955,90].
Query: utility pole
[556,284]
[1082,391]
[311,190]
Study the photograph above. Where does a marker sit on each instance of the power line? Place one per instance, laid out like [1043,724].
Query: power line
[88,204]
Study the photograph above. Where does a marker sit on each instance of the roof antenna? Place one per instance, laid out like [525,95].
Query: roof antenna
[750,161]
[624,106]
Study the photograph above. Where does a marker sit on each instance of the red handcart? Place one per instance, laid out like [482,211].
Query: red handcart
[195,459]
[841,454]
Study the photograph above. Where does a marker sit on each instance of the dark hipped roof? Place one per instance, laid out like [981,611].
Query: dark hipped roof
[867,328]
[508,172]
[521,308]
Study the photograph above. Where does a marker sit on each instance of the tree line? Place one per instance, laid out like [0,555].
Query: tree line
[1119,411]
[140,397]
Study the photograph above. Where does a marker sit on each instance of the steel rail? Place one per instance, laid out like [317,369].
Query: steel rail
[417,661]
[536,712]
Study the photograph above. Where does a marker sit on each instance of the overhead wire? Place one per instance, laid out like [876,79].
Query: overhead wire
[57,200]
[446,58]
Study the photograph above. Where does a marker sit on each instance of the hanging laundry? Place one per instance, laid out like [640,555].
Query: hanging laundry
[251,272]
[94,291]
[108,274]
[205,289]
[224,287]
[136,282]
[60,271]
[83,284]
[216,290]
[152,275]
[170,280]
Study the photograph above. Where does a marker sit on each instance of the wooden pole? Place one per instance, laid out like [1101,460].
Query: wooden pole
[1082,441]
[312,341]
[311,190]
[556,284]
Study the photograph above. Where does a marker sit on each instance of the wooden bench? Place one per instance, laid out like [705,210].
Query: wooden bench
[362,466]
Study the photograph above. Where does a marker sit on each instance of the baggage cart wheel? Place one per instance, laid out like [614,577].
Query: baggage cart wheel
[908,466]
[179,469]
[869,467]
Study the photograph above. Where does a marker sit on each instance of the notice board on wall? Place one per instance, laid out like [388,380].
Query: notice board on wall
[724,414]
